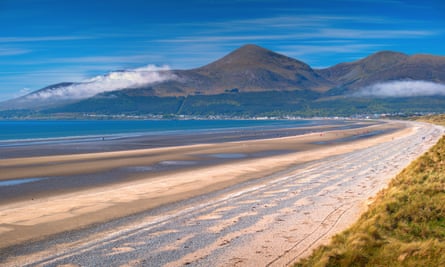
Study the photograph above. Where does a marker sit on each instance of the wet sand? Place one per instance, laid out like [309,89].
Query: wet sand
[97,144]
[200,169]
[46,173]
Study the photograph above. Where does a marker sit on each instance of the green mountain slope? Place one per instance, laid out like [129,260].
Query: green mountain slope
[386,66]
[255,81]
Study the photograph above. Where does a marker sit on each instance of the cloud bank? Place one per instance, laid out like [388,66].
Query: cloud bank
[403,89]
[112,81]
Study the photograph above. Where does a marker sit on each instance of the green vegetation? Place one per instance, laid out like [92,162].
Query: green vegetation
[302,103]
[250,104]
[405,226]
[435,119]
[129,105]
[254,81]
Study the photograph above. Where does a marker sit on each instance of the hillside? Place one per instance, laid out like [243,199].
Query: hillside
[253,68]
[386,66]
[30,102]
[252,80]
[249,68]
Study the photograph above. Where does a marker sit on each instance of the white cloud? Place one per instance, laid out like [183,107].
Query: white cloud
[24,91]
[110,82]
[371,34]
[42,39]
[301,27]
[106,59]
[298,50]
[403,89]
[152,68]
[13,51]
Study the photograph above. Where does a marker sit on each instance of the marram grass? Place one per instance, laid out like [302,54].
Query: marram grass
[405,226]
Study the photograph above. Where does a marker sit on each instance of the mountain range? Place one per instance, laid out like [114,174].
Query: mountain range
[254,81]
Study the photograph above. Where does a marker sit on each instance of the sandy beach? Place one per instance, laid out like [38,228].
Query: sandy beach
[260,202]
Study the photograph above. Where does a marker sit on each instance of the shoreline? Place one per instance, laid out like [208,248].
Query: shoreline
[131,141]
[112,202]
[66,172]
[24,221]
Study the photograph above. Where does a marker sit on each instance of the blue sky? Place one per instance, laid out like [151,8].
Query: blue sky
[43,42]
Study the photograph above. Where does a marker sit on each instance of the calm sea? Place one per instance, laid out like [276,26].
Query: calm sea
[29,130]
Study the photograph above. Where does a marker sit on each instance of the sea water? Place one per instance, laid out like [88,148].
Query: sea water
[50,129]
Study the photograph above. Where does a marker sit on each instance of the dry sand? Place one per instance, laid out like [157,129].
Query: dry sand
[35,219]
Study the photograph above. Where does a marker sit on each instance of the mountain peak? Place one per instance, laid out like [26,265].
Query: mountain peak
[251,48]
[388,56]
[253,67]
[387,53]
[385,66]
[250,68]
[253,56]
[381,60]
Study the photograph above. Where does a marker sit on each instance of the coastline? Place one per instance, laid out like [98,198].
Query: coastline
[78,166]
[36,219]
[144,140]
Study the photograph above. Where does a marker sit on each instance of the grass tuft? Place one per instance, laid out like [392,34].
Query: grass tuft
[405,226]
